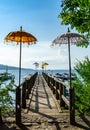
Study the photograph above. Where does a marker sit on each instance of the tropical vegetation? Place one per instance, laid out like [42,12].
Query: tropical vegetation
[76,13]
[6,99]
[82,86]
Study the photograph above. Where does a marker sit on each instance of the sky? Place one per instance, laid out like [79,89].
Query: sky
[40,18]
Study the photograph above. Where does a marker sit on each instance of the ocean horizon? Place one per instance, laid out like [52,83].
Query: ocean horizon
[25,72]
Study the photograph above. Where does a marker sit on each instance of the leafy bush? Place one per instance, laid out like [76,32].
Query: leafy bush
[82,86]
[6,100]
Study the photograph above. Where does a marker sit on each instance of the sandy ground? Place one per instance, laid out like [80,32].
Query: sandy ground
[82,123]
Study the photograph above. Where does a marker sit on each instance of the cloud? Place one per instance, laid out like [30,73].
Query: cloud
[57,57]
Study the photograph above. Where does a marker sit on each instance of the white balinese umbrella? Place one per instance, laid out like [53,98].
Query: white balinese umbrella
[69,38]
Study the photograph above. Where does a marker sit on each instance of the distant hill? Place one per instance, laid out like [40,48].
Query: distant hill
[4,67]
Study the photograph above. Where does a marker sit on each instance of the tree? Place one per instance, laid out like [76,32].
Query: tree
[77,14]
[6,100]
[82,86]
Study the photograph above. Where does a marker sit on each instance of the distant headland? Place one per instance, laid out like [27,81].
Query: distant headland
[4,67]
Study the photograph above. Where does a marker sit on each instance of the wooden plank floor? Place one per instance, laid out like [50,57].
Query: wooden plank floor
[41,104]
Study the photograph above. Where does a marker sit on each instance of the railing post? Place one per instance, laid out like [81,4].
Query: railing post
[62,104]
[53,87]
[24,95]
[72,106]
[27,90]
[57,87]
[30,86]
[48,81]
[18,105]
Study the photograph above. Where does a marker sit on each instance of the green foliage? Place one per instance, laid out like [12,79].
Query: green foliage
[77,14]
[82,86]
[84,43]
[6,100]
[83,69]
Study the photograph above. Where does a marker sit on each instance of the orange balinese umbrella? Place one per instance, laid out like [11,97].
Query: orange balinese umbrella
[44,64]
[20,37]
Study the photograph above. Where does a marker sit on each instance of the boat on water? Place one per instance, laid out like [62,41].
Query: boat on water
[6,76]
[58,76]
[63,76]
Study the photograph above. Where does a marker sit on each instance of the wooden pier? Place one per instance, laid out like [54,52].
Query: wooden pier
[42,104]
[40,107]
[41,98]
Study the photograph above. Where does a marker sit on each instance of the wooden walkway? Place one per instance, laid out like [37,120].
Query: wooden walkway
[42,110]
[42,105]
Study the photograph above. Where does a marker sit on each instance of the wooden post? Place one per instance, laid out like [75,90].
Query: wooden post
[48,81]
[24,95]
[57,87]
[18,105]
[53,87]
[27,88]
[51,83]
[62,103]
[72,106]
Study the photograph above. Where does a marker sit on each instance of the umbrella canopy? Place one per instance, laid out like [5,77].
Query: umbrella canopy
[45,64]
[20,37]
[74,38]
[36,64]
[69,38]
[42,66]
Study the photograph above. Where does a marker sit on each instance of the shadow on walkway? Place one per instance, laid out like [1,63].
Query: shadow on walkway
[23,127]
[81,126]
[85,120]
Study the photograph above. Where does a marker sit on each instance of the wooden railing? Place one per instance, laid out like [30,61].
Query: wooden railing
[22,93]
[59,90]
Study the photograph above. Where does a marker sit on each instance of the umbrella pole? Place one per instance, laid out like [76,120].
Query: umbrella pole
[20,64]
[18,93]
[20,57]
[72,107]
[69,61]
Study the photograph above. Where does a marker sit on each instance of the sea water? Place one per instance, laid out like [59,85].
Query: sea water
[15,72]
[25,72]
